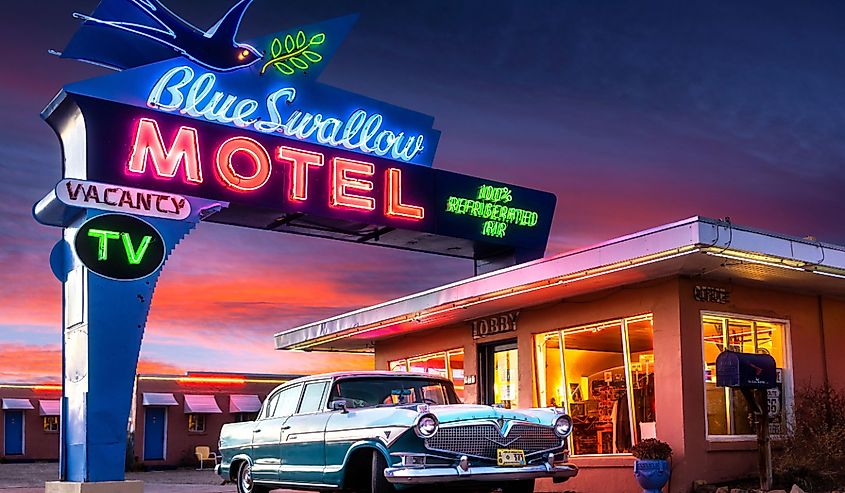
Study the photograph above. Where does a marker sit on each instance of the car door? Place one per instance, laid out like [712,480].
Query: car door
[267,433]
[303,447]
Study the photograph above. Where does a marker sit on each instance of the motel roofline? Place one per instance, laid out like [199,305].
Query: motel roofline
[709,249]
[212,375]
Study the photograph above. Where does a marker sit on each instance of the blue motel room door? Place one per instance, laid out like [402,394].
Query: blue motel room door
[154,422]
[13,432]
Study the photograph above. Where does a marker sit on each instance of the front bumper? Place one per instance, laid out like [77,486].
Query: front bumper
[429,475]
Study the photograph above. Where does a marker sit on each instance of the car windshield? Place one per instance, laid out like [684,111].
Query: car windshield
[392,391]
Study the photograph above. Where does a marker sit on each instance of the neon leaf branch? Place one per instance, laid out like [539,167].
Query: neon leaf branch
[294,53]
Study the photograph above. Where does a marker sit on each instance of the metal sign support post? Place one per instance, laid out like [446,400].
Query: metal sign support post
[759,403]
[103,325]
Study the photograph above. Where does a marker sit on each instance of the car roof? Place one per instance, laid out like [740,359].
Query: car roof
[370,373]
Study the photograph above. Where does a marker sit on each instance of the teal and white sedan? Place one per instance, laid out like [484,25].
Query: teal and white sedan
[384,431]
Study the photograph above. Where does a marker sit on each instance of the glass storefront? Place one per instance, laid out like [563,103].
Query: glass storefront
[728,413]
[604,375]
[449,364]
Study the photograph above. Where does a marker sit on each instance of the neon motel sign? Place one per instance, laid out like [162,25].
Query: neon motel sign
[243,164]
[181,90]
[199,127]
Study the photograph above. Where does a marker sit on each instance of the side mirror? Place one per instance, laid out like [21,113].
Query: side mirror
[339,405]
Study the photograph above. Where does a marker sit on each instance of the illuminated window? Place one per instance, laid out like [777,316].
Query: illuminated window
[728,413]
[196,423]
[51,423]
[449,364]
[604,375]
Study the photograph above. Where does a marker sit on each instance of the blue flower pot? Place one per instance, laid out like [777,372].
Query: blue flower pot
[651,474]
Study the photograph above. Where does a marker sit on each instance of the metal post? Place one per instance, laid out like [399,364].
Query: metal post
[764,446]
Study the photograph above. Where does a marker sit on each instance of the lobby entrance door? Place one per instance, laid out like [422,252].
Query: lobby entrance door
[499,374]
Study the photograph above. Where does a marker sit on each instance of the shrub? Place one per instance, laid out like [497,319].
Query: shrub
[652,449]
[813,452]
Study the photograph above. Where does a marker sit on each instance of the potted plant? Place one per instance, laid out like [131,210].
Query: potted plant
[652,466]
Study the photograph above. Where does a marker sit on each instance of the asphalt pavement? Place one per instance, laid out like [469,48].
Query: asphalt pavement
[30,478]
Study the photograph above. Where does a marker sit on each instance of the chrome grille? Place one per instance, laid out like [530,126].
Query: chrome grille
[534,438]
[482,440]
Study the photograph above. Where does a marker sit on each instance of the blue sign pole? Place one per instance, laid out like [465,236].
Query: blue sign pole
[103,325]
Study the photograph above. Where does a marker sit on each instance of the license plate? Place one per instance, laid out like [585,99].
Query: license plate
[510,457]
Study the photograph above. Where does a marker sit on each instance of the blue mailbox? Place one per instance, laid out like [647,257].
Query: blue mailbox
[746,370]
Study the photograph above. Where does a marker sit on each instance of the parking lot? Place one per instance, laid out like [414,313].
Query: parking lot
[30,478]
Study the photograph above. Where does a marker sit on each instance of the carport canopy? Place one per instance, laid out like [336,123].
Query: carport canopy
[703,248]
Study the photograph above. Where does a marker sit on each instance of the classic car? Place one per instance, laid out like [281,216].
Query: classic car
[386,431]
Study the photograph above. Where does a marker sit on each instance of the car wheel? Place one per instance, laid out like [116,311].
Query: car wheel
[245,483]
[378,483]
[526,486]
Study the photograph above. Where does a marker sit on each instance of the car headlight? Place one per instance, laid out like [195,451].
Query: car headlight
[563,426]
[426,426]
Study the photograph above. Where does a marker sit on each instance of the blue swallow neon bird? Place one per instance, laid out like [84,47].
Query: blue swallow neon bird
[127,33]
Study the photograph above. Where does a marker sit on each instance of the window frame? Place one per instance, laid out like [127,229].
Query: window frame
[786,371]
[322,406]
[301,386]
[265,407]
[203,421]
[622,322]
[44,420]
[446,353]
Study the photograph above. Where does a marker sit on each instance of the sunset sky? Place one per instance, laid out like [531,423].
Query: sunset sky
[635,114]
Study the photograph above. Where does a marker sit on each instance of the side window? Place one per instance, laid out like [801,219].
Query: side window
[312,398]
[271,406]
[288,399]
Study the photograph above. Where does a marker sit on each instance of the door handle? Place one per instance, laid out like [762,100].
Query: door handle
[257,431]
[283,428]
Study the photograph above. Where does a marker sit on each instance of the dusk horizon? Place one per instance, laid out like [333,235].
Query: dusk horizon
[633,117]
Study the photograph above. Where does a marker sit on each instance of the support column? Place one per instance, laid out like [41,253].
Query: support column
[103,325]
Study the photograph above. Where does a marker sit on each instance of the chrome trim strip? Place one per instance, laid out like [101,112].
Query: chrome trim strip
[288,483]
[429,475]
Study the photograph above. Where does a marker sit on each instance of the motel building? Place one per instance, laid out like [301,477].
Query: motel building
[29,421]
[624,335]
[171,415]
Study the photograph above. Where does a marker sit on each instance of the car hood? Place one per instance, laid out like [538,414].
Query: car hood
[464,412]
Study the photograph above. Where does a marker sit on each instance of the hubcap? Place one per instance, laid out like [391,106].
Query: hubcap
[246,479]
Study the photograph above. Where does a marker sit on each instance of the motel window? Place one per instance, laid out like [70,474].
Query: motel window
[604,375]
[51,423]
[728,414]
[241,417]
[449,364]
[196,423]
